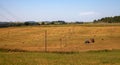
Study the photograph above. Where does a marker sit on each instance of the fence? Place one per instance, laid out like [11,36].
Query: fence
[38,39]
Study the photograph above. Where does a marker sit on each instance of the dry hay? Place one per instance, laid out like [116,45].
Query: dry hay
[65,38]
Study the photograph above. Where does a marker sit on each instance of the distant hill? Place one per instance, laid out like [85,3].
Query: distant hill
[115,19]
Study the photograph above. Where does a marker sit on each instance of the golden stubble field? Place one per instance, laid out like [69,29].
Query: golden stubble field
[60,38]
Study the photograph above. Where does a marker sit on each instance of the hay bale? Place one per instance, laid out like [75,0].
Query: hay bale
[92,40]
[87,41]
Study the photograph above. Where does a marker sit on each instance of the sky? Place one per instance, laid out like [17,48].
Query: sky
[52,10]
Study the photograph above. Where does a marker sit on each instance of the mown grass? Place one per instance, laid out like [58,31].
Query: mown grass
[55,58]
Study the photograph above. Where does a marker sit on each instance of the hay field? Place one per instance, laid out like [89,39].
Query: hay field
[60,38]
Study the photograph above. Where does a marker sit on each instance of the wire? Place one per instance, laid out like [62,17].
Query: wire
[10,13]
[1,15]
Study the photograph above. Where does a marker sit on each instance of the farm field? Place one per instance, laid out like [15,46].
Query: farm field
[60,37]
[64,45]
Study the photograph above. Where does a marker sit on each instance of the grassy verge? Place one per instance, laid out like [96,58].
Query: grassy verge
[81,58]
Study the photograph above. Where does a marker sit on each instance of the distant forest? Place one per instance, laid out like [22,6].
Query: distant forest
[115,19]
[31,23]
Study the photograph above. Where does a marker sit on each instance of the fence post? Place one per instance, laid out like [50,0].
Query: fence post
[60,43]
[45,40]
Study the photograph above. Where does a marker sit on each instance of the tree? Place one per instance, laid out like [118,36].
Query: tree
[58,22]
[115,19]
[27,23]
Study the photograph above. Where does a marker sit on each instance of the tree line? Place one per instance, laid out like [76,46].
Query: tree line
[32,23]
[12,24]
[115,19]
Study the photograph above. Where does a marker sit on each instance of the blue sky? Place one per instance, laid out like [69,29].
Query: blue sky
[50,10]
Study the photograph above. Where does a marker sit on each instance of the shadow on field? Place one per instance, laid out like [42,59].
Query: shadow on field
[58,52]
[11,50]
[18,50]
[63,52]
[105,50]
